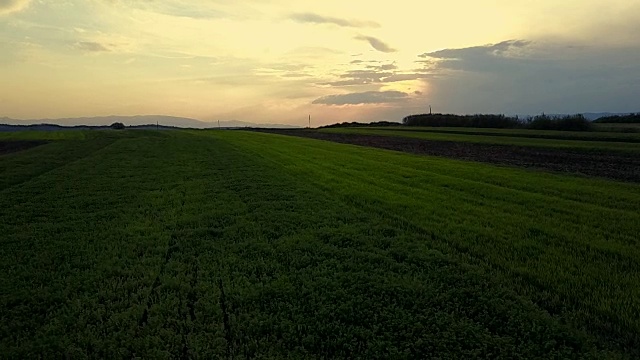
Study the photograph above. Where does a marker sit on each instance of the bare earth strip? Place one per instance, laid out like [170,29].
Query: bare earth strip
[616,166]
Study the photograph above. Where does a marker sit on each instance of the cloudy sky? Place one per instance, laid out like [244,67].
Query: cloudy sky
[280,60]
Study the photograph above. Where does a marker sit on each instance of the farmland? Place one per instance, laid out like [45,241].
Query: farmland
[618,127]
[526,133]
[212,244]
[586,158]
[595,141]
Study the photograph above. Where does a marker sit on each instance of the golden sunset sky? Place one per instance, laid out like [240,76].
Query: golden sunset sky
[278,61]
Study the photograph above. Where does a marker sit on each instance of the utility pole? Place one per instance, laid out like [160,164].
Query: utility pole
[429,109]
[218,124]
[309,121]
[157,124]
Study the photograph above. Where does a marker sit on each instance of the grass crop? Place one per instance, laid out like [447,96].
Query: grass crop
[210,244]
[618,127]
[627,143]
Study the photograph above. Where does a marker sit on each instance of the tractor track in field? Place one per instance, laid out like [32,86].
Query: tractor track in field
[611,165]
[182,328]
[172,247]
[228,334]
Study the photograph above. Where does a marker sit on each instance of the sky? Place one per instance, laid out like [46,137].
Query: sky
[280,61]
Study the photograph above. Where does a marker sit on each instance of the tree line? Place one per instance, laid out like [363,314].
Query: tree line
[627,119]
[540,122]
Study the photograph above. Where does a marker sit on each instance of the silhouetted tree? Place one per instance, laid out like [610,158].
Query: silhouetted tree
[568,123]
[117,126]
[540,122]
[478,120]
[622,119]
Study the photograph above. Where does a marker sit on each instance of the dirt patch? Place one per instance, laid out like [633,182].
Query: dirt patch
[18,145]
[618,166]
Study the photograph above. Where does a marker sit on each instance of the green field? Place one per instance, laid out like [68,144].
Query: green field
[231,244]
[618,127]
[617,142]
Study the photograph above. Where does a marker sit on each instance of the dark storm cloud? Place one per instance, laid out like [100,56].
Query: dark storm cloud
[484,50]
[376,43]
[518,76]
[368,97]
[506,53]
[313,18]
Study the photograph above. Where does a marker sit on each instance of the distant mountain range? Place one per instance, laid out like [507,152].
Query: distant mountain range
[166,121]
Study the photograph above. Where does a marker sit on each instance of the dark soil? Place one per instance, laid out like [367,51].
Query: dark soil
[18,145]
[618,166]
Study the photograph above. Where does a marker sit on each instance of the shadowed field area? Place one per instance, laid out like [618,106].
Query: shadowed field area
[17,145]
